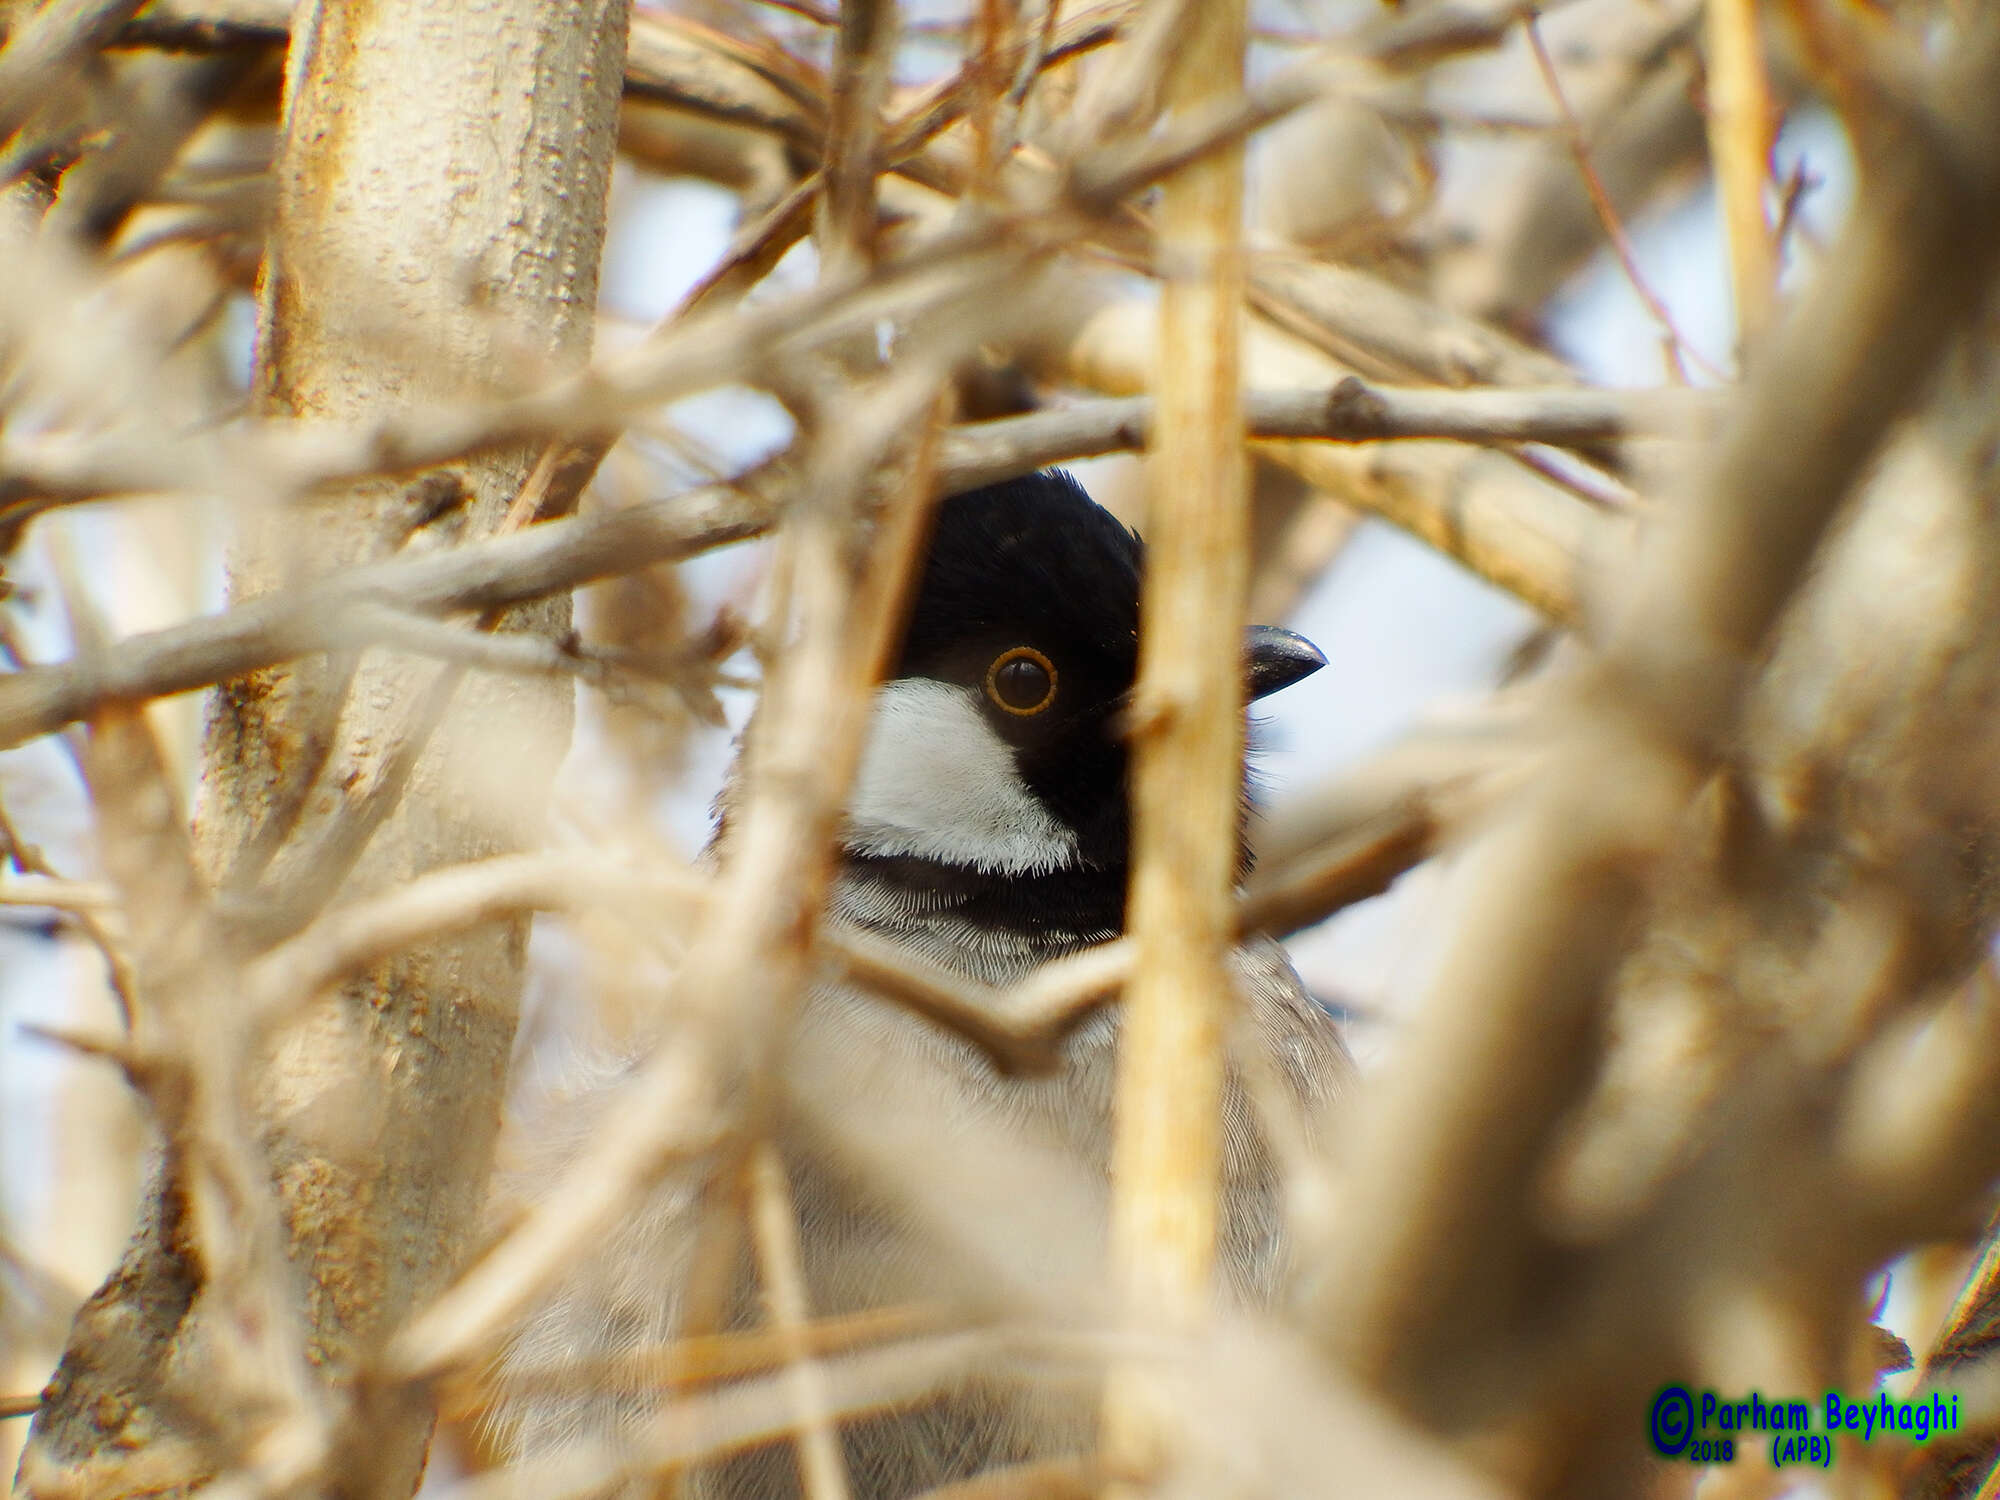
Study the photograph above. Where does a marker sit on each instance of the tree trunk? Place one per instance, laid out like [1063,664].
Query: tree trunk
[442,188]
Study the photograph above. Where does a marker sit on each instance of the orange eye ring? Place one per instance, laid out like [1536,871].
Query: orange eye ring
[1020,682]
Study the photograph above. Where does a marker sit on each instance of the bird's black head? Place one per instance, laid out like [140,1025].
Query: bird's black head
[1029,605]
[995,756]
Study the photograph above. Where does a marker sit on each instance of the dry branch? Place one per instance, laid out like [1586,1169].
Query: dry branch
[1503,522]
[864,58]
[775,1221]
[1187,753]
[1741,131]
[1537,226]
[277,460]
[551,558]
[483,575]
[26,858]
[671,61]
[682,1102]
[1348,411]
[1678,351]
[507,135]
[1378,328]
[216,1240]
[1348,844]
[709,1358]
[351,938]
[1761,815]
[1456,1134]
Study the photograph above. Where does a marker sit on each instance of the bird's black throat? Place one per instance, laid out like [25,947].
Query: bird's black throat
[1080,903]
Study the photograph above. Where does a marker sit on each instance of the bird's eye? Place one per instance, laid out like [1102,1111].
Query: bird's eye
[1021,681]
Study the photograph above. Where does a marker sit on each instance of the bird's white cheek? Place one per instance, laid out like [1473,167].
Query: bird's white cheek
[936,782]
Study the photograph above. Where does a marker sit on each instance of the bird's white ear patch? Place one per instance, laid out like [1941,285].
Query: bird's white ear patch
[936,782]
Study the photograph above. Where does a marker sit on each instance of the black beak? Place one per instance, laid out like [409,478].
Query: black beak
[1274,658]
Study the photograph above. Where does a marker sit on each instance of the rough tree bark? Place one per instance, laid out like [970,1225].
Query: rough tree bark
[442,190]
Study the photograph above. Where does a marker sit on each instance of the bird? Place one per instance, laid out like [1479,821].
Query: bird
[986,832]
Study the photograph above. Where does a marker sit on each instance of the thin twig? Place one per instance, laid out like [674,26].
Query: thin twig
[1791,198]
[817,14]
[1585,481]
[75,896]
[935,108]
[705,1359]
[716,1422]
[1607,212]
[1124,95]
[119,973]
[1350,410]
[484,575]
[348,939]
[865,53]
[776,1234]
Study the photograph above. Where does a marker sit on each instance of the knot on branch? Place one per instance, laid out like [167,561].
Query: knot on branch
[1353,409]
